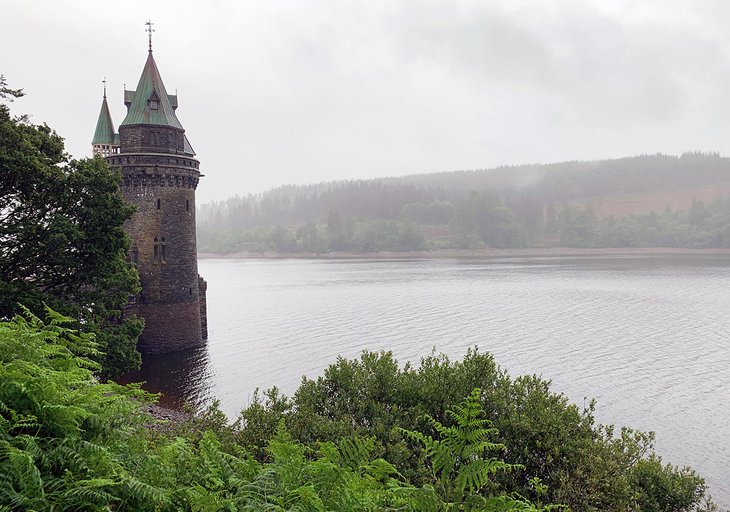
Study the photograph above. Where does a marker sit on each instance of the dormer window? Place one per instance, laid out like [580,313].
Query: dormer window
[153,101]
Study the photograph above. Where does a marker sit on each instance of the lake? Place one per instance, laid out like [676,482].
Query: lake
[648,337]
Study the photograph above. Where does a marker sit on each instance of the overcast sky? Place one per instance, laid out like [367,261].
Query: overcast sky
[275,92]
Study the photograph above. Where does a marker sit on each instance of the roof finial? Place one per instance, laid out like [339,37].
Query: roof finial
[149,30]
[104,82]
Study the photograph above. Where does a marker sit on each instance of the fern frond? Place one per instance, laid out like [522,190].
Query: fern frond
[356,452]
[145,492]
[21,470]
[304,498]
[475,475]
[262,486]
[55,317]
[89,492]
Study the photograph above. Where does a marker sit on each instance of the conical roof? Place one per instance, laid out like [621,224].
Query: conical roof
[150,93]
[104,133]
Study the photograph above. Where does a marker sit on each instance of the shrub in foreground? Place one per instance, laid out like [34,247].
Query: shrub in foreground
[579,463]
[68,442]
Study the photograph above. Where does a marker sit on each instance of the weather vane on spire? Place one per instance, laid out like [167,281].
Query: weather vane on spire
[104,82]
[149,30]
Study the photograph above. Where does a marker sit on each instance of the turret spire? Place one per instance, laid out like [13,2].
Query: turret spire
[105,141]
[149,103]
[149,31]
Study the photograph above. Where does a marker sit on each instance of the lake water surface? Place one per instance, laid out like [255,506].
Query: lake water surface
[648,337]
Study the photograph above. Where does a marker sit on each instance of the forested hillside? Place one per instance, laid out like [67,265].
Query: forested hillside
[648,200]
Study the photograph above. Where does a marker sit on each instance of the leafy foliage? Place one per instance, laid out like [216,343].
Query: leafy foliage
[566,457]
[61,238]
[6,93]
[59,427]
[458,457]
[69,442]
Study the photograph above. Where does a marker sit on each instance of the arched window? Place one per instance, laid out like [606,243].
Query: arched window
[134,255]
[163,251]
[156,250]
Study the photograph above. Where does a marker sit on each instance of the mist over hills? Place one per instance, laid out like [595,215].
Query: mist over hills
[643,200]
[586,178]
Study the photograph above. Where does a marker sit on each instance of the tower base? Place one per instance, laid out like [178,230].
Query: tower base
[170,327]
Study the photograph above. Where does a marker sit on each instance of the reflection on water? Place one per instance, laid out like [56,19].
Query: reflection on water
[181,377]
[647,336]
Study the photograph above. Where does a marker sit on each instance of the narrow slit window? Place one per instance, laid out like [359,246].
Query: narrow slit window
[163,247]
[187,205]
[156,250]
[158,204]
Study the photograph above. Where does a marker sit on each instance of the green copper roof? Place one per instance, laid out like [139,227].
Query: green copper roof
[150,93]
[104,133]
[187,148]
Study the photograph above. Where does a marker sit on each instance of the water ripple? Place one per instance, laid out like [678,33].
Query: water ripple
[647,336]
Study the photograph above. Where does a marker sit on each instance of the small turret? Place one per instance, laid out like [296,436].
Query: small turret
[105,141]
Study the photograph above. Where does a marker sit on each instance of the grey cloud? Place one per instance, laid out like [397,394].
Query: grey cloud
[294,92]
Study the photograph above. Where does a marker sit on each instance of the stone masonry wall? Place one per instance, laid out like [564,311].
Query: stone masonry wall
[203,294]
[167,328]
[151,139]
[162,187]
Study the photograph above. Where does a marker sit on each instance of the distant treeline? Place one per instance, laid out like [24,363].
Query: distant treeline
[700,226]
[504,207]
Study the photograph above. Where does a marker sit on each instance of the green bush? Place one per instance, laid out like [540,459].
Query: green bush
[69,442]
[581,464]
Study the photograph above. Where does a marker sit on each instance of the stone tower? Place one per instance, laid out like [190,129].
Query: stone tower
[160,174]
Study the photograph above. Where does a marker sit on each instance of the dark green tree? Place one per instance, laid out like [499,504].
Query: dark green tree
[61,237]
[6,93]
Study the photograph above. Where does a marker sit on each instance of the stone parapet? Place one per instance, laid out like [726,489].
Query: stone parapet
[152,170]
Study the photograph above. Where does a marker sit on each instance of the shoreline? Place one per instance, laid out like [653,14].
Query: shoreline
[538,252]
